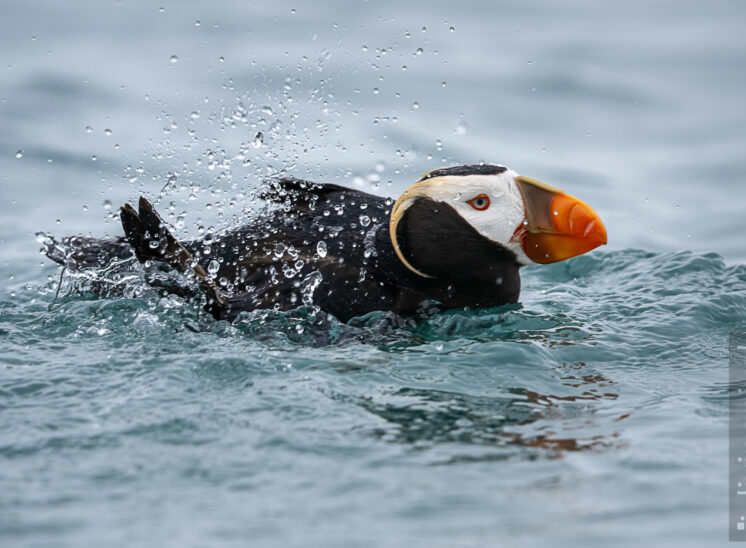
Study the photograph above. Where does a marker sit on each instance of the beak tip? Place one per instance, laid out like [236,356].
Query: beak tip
[596,231]
[559,225]
[601,232]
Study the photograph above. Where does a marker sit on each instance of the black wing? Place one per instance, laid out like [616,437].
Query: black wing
[151,239]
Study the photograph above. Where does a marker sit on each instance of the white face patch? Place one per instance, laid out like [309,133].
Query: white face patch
[497,222]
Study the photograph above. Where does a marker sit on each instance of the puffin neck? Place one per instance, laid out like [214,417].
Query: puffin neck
[436,240]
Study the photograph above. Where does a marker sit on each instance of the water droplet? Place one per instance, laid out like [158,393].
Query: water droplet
[107,132]
[416,105]
[451,29]
[321,249]
[375,91]
[152,244]
[460,128]
[221,59]
[213,267]
[194,115]
[43,238]
[419,51]
[529,61]
[364,220]
[94,158]
[443,84]
[107,204]
[258,139]
[19,154]
[268,111]
[88,129]
[174,59]
[197,23]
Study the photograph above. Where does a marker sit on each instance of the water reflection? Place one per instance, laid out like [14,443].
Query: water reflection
[522,422]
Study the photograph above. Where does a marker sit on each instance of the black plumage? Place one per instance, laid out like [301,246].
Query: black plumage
[324,245]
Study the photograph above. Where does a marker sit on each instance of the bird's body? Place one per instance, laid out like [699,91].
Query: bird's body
[325,245]
[343,250]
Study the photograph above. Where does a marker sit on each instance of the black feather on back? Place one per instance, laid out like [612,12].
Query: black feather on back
[323,246]
[304,195]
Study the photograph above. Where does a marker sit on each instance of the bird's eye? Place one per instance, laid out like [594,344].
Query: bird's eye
[480,203]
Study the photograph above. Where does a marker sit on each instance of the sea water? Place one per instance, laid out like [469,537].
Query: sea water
[593,413]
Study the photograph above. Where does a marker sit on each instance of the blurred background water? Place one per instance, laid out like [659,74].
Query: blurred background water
[595,412]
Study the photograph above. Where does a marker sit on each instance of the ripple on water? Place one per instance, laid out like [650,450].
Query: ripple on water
[613,360]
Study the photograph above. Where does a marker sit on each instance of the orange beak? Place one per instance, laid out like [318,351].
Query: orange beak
[557,226]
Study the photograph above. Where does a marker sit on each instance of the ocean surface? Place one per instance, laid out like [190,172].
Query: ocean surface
[594,413]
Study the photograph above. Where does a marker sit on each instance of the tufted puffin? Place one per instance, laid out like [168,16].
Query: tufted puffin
[458,236]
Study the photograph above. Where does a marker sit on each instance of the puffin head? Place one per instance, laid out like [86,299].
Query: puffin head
[472,219]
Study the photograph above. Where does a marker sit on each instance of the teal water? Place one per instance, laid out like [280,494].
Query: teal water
[593,413]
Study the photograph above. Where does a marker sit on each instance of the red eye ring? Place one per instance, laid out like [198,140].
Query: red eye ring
[480,203]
